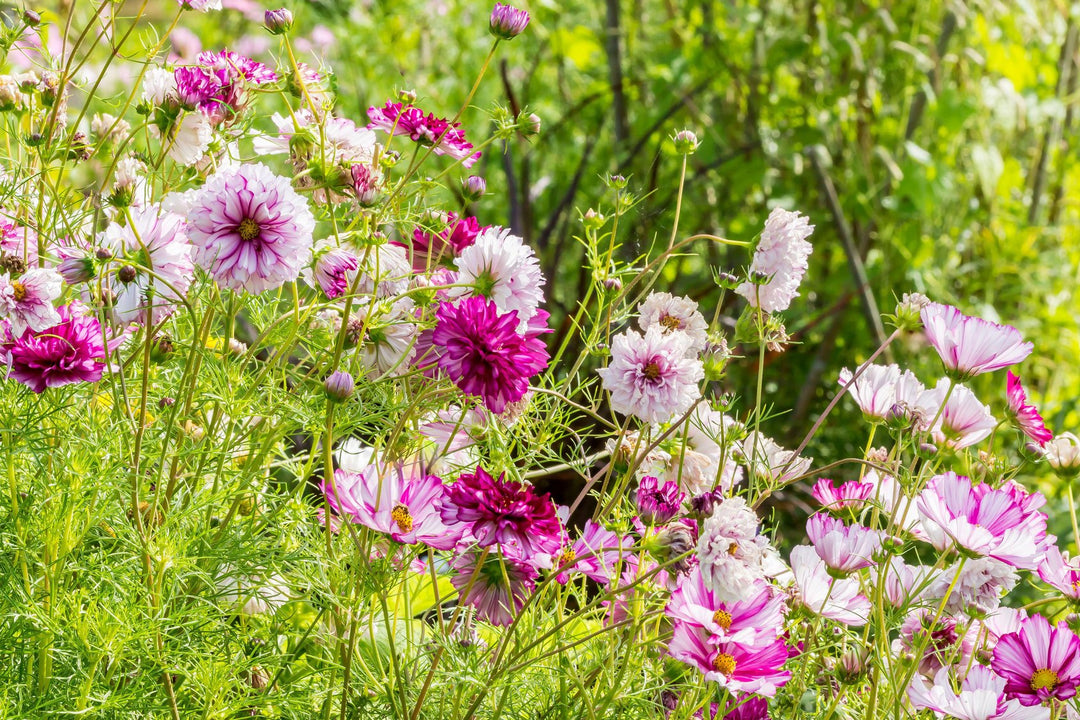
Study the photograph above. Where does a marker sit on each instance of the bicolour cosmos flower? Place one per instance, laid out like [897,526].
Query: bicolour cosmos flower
[26,301]
[751,620]
[969,346]
[730,550]
[334,271]
[502,268]
[1039,663]
[497,587]
[598,554]
[384,499]
[781,256]
[151,256]
[739,668]
[1025,415]
[838,599]
[504,512]
[481,350]
[674,314]
[446,139]
[843,548]
[1061,571]
[851,495]
[978,520]
[980,696]
[963,421]
[651,377]
[250,229]
[71,351]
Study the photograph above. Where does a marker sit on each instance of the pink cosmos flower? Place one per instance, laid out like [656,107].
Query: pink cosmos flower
[27,301]
[651,377]
[843,548]
[944,640]
[217,86]
[904,583]
[980,697]
[1026,416]
[598,554]
[71,351]
[497,588]
[739,668]
[1040,662]
[459,233]
[384,499]
[335,269]
[250,229]
[507,22]
[151,256]
[480,349]
[874,391]
[752,620]
[978,520]
[1061,571]
[674,314]
[834,598]
[398,119]
[964,421]
[970,346]
[781,255]
[503,511]
[850,495]
[657,504]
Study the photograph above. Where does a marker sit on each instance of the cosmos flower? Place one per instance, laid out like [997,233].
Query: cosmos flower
[651,377]
[507,22]
[72,351]
[970,346]
[250,229]
[385,499]
[781,256]
[428,130]
[674,314]
[496,587]
[502,268]
[980,697]
[851,495]
[480,349]
[504,512]
[657,504]
[1025,415]
[843,548]
[27,301]
[751,620]
[838,599]
[151,257]
[739,668]
[1039,663]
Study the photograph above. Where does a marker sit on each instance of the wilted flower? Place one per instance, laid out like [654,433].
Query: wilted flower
[496,587]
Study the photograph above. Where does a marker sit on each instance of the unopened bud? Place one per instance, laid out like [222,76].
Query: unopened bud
[473,188]
[686,142]
[339,386]
[408,97]
[279,21]
[507,22]
[613,284]
[593,220]
[31,18]
[127,273]
[166,402]
[529,126]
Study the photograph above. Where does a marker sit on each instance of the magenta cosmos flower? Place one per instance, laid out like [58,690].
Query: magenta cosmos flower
[657,503]
[218,85]
[250,229]
[71,351]
[739,668]
[651,377]
[850,495]
[752,620]
[383,499]
[497,587]
[970,346]
[1026,416]
[428,247]
[1039,663]
[598,554]
[843,548]
[505,512]
[435,132]
[480,349]
[980,697]
[979,520]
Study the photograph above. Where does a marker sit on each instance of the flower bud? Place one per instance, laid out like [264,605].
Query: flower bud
[593,220]
[612,284]
[702,506]
[13,265]
[927,450]
[161,349]
[127,273]
[407,97]
[1063,453]
[759,278]
[49,88]
[279,21]
[727,281]
[365,184]
[339,386]
[507,22]
[529,126]
[686,142]
[31,18]
[166,402]
[898,417]
[236,347]
[907,315]
[75,266]
[473,188]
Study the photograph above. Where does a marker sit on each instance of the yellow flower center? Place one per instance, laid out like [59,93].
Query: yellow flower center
[1044,678]
[568,557]
[670,322]
[249,229]
[733,548]
[19,290]
[722,618]
[724,664]
[651,371]
[400,515]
